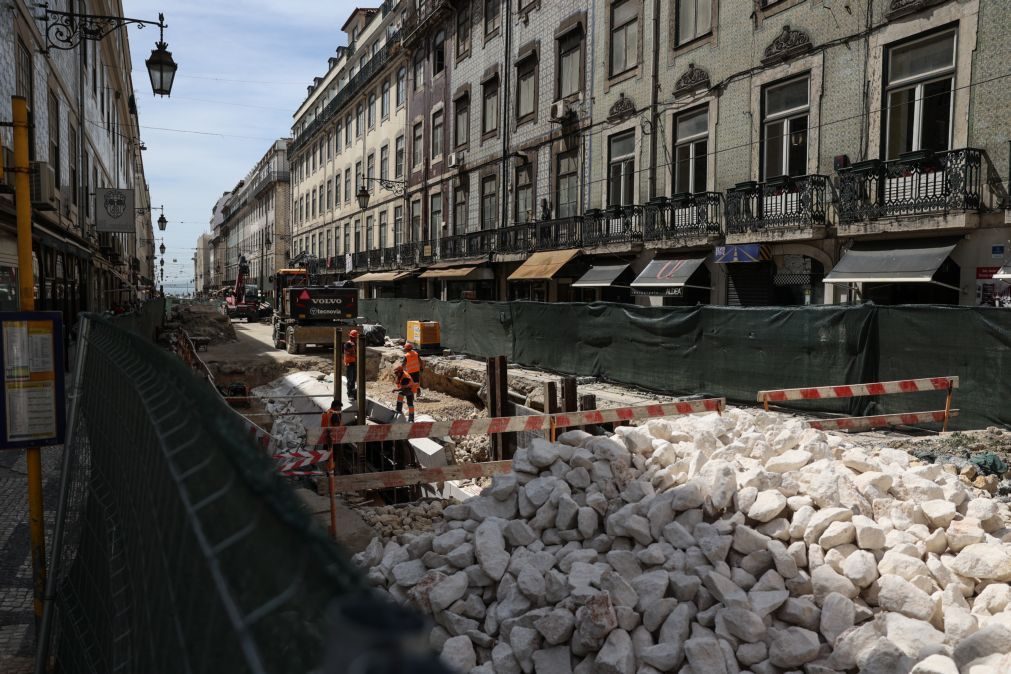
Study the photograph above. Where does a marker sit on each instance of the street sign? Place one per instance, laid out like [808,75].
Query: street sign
[32,396]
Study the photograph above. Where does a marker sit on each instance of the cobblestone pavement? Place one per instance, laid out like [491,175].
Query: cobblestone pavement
[17,629]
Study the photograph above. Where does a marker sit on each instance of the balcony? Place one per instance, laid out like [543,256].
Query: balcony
[784,208]
[941,188]
[621,224]
[471,244]
[692,219]
[423,16]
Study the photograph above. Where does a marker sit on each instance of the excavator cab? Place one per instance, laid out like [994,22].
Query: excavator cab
[284,279]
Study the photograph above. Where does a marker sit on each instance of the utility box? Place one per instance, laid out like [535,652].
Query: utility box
[425,335]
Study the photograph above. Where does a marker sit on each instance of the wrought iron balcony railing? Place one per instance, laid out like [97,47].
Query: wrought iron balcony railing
[915,183]
[779,204]
[682,216]
[621,224]
[425,14]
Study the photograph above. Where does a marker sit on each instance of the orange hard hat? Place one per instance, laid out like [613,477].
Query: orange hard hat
[408,347]
[353,334]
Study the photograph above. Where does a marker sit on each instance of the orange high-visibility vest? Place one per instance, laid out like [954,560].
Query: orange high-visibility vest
[331,418]
[412,362]
[350,353]
[403,380]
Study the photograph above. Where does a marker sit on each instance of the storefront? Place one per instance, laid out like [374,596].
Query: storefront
[386,284]
[461,281]
[606,282]
[541,277]
[674,281]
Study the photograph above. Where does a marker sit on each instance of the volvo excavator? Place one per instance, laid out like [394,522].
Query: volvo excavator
[306,312]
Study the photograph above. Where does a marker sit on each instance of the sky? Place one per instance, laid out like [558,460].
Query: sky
[243,70]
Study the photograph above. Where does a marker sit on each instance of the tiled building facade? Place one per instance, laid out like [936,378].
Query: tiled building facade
[556,149]
[75,267]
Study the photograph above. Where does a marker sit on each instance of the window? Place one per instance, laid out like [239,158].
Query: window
[72,161]
[312,203]
[460,210]
[337,137]
[372,111]
[347,238]
[329,148]
[398,225]
[54,136]
[570,59]
[358,176]
[524,195]
[359,120]
[23,75]
[492,17]
[347,129]
[621,169]
[384,106]
[312,156]
[784,128]
[347,184]
[526,89]
[383,223]
[401,85]
[358,235]
[319,197]
[417,147]
[301,208]
[337,190]
[461,130]
[329,194]
[369,232]
[370,171]
[438,53]
[489,113]
[920,81]
[435,215]
[463,30]
[384,162]
[691,144]
[624,36]
[437,134]
[399,158]
[416,219]
[419,70]
[489,202]
[568,184]
[693,19]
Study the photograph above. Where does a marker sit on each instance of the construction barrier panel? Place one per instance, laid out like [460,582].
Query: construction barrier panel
[178,548]
[736,351]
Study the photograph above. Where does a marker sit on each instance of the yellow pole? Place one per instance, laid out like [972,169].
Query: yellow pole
[26,284]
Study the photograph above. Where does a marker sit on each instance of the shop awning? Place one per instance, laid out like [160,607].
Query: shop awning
[891,262]
[669,273]
[464,273]
[544,265]
[600,276]
[1004,273]
[382,276]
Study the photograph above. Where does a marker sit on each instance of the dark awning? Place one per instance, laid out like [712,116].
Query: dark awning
[891,262]
[669,273]
[600,276]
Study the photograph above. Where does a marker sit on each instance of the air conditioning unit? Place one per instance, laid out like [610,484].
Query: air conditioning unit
[43,186]
[560,110]
[455,159]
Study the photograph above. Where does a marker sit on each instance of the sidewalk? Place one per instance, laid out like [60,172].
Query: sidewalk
[17,628]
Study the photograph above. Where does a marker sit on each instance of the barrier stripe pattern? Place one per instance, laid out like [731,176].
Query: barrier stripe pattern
[493,425]
[290,462]
[857,390]
[881,421]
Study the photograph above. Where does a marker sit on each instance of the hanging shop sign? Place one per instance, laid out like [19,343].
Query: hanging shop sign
[32,395]
[114,210]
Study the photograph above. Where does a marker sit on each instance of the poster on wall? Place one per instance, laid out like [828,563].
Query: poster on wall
[986,287]
[114,210]
[32,396]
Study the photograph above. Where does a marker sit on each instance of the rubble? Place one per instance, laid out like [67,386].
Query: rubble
[391,521]
[204,321]
[663,567]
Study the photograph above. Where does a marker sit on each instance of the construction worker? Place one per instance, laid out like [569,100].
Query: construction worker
[405,389]
[413,366]
[350,350]
[331,418]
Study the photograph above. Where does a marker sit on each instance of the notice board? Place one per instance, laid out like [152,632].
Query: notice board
[32,395]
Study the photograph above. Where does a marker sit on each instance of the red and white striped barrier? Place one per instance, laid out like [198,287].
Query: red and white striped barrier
[881,421]
[947,384]
[290,463]
[493,425]
[857,390]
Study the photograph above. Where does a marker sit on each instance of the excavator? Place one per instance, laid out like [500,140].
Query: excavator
[243,301]
[306,312]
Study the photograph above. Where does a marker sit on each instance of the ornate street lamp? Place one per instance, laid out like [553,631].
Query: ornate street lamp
[162,248]
[160,66]
[162,222]
[363,197]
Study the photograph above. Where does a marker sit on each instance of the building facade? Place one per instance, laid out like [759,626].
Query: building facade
[251,222]
[85,135]
[685,152]
[348,154]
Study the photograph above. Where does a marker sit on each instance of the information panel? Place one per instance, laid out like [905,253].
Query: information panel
[32,392]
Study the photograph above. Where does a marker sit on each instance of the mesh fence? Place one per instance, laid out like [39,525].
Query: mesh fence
[184,551]
[735,352]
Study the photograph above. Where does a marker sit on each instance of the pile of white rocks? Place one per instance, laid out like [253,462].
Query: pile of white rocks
[390,521]
[708,544]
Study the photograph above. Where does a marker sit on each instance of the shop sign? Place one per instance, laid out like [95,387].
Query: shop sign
[748,252]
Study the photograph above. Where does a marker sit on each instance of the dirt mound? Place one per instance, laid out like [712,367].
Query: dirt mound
[205,320]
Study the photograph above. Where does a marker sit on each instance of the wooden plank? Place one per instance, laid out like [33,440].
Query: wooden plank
[402,478]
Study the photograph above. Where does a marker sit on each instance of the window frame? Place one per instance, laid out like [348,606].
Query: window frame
[526,170]
[460,207]
[676,34]
[527,70]
[464,30]
[489,90]
[691,141]
[563,49]
[623,28]
[399,156]
[492,19]
[438,53]
[384,105]
[461,105]
[417,145]
[438,128]
[785,116]
[559,176]
[489,221]
[627,171]
[401,92]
